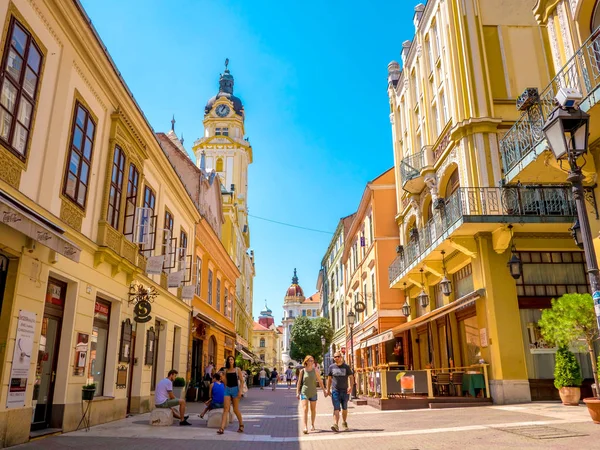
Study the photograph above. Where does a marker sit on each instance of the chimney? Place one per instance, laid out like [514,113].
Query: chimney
[418,14]
[393,73]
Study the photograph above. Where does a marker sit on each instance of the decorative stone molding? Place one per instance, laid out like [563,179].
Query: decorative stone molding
[431,182]
[89,85]
[45,21]
[10,169]
[71,214]
[564,29]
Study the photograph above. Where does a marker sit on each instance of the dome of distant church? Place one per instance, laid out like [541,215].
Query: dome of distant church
[267,311]
[226,90]
[294,290]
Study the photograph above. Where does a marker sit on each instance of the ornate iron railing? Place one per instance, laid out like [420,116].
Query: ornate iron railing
[581,72]
[540,201]
[410,167]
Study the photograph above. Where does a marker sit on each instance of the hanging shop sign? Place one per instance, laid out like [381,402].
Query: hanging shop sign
[154,265]
[21,362]
[174,279]
[141,297]
[187,292]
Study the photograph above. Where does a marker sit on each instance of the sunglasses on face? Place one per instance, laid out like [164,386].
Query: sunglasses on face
[337,356]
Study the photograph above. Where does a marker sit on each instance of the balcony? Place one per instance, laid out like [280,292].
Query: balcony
[524,142]
[474,210]
[410,171]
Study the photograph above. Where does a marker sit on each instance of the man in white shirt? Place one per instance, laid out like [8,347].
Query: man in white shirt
[164,397]
[262,375]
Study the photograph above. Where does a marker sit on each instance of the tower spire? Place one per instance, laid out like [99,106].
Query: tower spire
[295,277]
[173,123]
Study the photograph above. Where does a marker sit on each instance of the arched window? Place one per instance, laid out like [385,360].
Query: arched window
[453,184]
[262,342]
[212,350]
[219,164]
[596,18]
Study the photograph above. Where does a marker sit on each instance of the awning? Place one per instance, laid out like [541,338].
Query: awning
[21,218]
[245,354]
[440,312]
[204,318]
[382,337]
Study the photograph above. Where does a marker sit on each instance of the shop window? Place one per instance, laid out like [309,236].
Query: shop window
[19,78]
[471,347]
[463,281]
[131,201]
[552,274]
[79,156]
[99,342]
[116,188]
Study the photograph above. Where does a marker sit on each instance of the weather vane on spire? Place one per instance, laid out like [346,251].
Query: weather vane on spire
[226,63]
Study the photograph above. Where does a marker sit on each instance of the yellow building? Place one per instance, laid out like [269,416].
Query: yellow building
[571,38]
[226,150]
[461,212]
[78,161]
[266,340]
[214,274]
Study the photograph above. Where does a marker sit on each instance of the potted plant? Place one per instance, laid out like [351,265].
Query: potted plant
[572,321]
[567,377]
[88,391]
[192,391]
[178,386]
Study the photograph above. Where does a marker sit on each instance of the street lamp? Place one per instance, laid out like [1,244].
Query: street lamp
[515,266]
[323,347]
[445,284]
[576,233]
[423,297]
[351,318]
[567,131]
[406,306]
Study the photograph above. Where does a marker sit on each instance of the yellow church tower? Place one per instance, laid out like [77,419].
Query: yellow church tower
[224,149]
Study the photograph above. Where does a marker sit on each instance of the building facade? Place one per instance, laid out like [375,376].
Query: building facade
[462,211]
[371,243]
[266,340]
[79,160]
[295,304]
[210,268]
[225,149]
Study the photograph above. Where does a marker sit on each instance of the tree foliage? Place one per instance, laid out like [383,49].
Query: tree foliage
[571,321]
[567,372]
[306,337]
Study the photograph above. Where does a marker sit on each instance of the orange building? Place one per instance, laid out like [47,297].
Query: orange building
[211,269]
[370,248]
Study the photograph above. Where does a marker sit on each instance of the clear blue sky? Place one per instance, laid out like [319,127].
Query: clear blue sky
[312,76]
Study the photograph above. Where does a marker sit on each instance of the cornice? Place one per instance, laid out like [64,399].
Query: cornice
[474,125]
[543,9]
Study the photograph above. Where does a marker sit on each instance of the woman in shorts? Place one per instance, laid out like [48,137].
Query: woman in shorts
[306,391]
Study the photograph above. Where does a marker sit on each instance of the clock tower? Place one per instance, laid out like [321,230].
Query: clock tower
[224,149]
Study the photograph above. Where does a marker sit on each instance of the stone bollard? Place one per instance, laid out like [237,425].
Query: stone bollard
[214,418]
[161,417]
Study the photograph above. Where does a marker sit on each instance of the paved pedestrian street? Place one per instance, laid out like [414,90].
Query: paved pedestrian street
[273,421]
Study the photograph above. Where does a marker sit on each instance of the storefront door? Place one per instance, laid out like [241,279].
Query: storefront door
[197,367]
[45,374]
[131,365]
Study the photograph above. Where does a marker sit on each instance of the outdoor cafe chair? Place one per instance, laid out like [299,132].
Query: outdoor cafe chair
[442,383]
[457,379]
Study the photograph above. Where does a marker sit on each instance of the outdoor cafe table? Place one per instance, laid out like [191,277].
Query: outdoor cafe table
[473,381]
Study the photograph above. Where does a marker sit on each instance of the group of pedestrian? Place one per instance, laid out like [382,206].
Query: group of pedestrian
[340,380]
[266,379]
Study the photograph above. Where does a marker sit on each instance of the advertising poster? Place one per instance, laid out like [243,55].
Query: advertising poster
[174,279]
[81,350]
[154,265]
[19,371]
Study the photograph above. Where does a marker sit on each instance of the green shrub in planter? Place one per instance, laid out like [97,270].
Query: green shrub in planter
[179,382]
[88,391]
[567,372]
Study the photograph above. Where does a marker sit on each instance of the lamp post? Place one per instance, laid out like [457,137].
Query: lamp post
[351,317]
[567,131]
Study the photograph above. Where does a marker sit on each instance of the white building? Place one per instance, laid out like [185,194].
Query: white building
[295,305]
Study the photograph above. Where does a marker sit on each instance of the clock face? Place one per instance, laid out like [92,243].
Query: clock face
[222,110]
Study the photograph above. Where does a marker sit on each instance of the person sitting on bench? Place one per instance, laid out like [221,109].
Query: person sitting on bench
[216,395]
[164,397]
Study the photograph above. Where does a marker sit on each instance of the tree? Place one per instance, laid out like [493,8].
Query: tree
[571,321]
[306,337]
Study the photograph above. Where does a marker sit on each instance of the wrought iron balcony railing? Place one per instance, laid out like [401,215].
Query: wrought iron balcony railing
[482,205]
[581,72]
[410,167]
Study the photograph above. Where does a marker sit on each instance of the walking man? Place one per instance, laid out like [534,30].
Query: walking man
[262,375]
[164,397]
[340,380]
[274,378]
[289,374]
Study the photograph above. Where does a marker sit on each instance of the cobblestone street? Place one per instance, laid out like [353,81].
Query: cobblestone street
[273,422]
